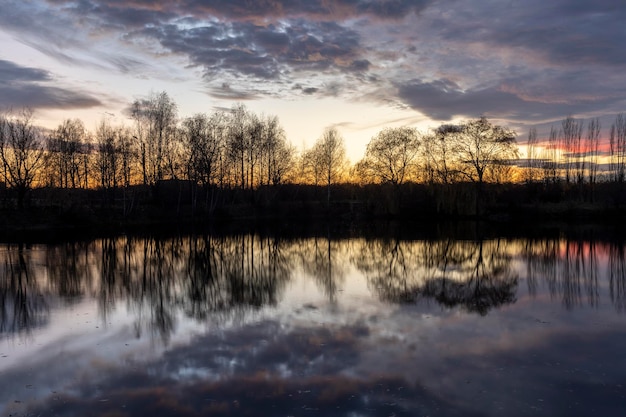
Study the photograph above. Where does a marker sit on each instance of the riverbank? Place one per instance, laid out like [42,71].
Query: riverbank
[51,213]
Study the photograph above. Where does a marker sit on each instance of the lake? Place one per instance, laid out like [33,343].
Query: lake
[261,325]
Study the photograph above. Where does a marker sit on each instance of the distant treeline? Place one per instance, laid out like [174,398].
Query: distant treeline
[237,163]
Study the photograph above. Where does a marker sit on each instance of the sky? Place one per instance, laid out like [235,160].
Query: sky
[357,65]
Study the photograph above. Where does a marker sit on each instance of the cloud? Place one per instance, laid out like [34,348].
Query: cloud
[270,52]
[444,100]
[274,40]
[561,32]
[530,62]
[245,10]
[23,87]
[10,72]
[225,91]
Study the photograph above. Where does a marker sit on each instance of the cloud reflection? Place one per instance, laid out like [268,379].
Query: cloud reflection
[257,370]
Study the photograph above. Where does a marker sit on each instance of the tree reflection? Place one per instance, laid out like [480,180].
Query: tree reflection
[224,278]
[570,269]
[323,260]
[617,276]
[486,278]
[200,276]
[475,275]
[69,269]
[22,304]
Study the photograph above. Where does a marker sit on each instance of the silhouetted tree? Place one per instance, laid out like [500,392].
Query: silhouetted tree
[278,154]
[571,133]
[481,151]
[65,148]
[481,146]
[549,163]
[593,140]
[21,152]
[531,146]
[204,141]
[617,147]
[155,119]
[329,155]
[437,150]
[238,140]
[127,155]
[107,156]
[390,157]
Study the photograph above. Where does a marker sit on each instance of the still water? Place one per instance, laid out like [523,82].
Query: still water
[250,325]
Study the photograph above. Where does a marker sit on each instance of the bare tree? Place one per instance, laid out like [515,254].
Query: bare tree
[549,158]
[437,154]
[155,119]
[127,151]
[65,146]
[311,169]
[531,146]
[329,154]
[21,152]
[254,148]
[481,146]
[617,146]
[482,151]
[390,157]
[571,134]
[238,141]
[107,156]
[278,154]
[204,140]
[593,141]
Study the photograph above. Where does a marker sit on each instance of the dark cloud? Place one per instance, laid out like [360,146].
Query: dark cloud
[301,36]
[263,52]
[562,32]
[20,87]
[246,9]
[359,65]
[444,100]
[44,27]
[122,14]
[317,9]
[225,91]
[305,90]
[217,51]
[12,73]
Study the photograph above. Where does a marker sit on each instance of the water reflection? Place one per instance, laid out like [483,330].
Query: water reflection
[260,325]
[223,277]
[23,306]
[570,269]
[617,275]
[475,275]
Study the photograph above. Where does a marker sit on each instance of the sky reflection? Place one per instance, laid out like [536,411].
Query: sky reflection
[250,325]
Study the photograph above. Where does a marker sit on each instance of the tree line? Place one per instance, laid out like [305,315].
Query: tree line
[237,149]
